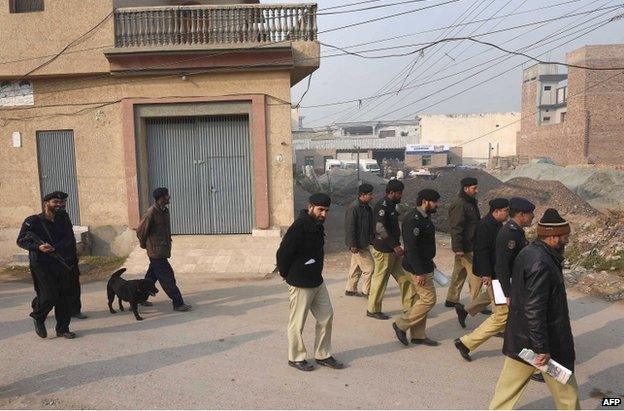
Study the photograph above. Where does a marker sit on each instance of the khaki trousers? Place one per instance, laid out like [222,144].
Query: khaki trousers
[362,265]
[492,325]
[462,268]
[315,300]
[516,376]
[482,299]
[387,264]
[416,318]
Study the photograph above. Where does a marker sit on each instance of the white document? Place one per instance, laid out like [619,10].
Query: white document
[310,261]
[440,278]
[553,368]
[499,295]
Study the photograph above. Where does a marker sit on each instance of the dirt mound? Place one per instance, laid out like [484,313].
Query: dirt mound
[446,181]
[342,185]
[544,194]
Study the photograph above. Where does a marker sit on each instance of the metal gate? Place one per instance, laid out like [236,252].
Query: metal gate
[57,167]
[206,164]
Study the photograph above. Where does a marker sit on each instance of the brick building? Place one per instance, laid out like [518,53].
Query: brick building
[575,118]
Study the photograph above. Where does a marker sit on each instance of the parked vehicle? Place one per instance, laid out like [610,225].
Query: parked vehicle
[370,166]
[331,164]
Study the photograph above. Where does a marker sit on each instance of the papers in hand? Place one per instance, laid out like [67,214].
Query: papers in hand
[553,368]
[310,261]
[440,278]
[499,295]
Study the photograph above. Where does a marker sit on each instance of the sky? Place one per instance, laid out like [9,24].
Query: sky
[451,77]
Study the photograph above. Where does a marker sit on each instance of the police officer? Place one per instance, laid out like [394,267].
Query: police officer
[387,253]
[50,242]
[358,236]
[509,241]
[420,249]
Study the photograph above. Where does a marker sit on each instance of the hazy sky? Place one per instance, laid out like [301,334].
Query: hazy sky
[447,68]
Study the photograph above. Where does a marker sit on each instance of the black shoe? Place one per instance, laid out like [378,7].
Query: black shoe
[352,294]
[463,350]
[379,315]
[147,304]
[40,328]
[301,365]
[183,308]
[363,295]
[66,334]
[538,377]
[424,341]
[80,316]
[401,335]
[500,335]
[330,362]
[449,304]
[487,311]
[461,315]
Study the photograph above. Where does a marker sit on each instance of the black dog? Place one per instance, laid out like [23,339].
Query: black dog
[133,291]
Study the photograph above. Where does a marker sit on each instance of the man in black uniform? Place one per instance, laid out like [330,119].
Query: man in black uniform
[420,249]
[387,253]
[51,245]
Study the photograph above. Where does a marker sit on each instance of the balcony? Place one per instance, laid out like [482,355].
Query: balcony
[214,25]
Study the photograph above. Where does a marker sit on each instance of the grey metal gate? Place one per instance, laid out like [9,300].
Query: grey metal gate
[206,164]
[57,167]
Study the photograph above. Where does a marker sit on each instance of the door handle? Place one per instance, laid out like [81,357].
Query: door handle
[213,190]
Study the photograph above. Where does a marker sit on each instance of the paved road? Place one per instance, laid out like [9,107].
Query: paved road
[231,353]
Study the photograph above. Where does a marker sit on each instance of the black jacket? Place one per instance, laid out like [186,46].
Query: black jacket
[387,230]
[484,257]
[58,233]
[464,216]
[303,243]
[538,315]
[420,243]
[509,241]
[359,225]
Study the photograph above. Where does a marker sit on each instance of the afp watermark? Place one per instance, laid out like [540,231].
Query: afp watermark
[611,402]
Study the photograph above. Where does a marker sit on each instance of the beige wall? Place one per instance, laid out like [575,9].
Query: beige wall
[99,144]
[459,129]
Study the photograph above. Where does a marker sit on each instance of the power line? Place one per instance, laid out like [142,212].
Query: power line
[370,7]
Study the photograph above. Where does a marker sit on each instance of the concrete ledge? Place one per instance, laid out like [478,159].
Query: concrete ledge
[271,232]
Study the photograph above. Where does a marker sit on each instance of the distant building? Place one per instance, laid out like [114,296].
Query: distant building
[575,118]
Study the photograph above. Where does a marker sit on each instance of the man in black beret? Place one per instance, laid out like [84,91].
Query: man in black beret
[51,247]
[420,250]
[539,319]
[387,252]
[358,237]
[300,259]
[154,234]
[464,216]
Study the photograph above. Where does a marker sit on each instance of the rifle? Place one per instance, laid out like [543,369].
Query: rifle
[38,241]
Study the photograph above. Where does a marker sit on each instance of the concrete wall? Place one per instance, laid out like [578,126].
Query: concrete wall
[497,129]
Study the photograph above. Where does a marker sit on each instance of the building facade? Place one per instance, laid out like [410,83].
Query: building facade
[193,97]
[575,117]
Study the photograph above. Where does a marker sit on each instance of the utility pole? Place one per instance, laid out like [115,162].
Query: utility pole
[358,165]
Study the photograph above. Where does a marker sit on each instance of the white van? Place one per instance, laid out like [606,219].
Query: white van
[370,166]
[349,164]
[331,163]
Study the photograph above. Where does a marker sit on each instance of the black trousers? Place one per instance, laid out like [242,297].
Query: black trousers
[75,306]
[53,286]
[160,270]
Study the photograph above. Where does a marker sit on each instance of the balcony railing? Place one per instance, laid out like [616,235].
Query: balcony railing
[196,25]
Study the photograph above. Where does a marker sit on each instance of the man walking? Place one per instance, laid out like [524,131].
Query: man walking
[300,259]
[420,249]
[387,253]
[539,318]
[463,219]
[51,249]
[494,260]
[154,234]
[358,237]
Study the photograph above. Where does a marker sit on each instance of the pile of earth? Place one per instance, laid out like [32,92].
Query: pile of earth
[446,181]
[544,194]
[342,185]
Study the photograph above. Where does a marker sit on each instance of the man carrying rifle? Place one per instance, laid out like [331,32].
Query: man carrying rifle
[50,244]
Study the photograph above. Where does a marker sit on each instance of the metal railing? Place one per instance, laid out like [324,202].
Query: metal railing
[190,25]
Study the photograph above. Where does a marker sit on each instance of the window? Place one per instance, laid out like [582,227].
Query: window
[547,88]
[309,161]
[546,118]
[387,133]
[426,160]
[562,94]
[404,133]
[25,6]
[562,117]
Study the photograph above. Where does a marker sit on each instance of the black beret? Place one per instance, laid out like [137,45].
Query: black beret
[59,195]
[428,194]
[394,185]
[497,203]
[521,204]
[551,217]
[160,192]
[468,182]
[320,199]
[365,188]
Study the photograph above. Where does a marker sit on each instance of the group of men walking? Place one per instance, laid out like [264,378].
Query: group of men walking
[489,251]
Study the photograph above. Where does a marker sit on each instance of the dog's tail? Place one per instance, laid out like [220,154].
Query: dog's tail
[118,273]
